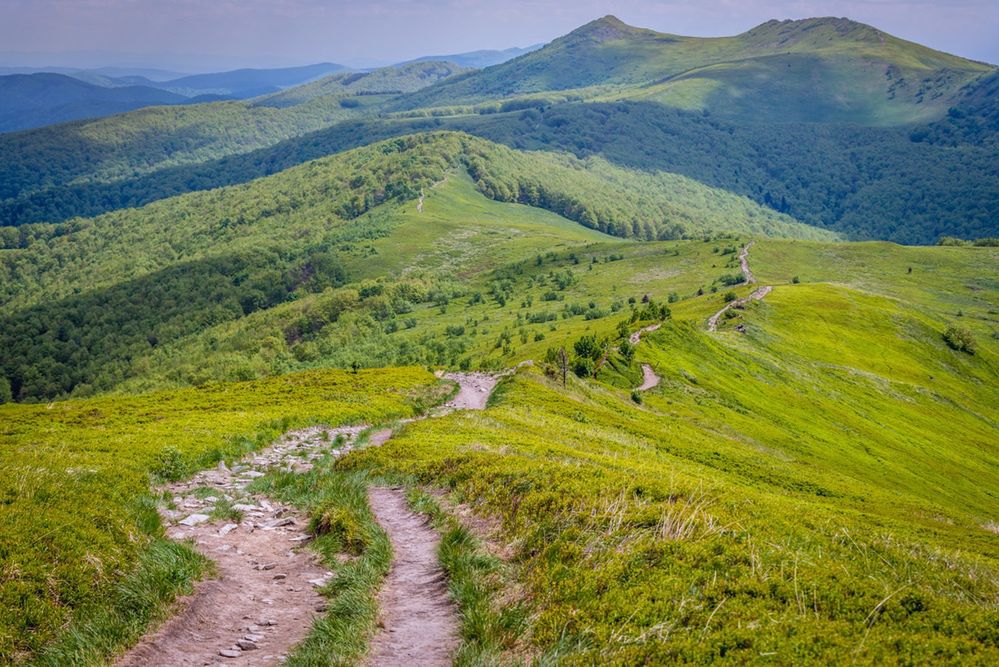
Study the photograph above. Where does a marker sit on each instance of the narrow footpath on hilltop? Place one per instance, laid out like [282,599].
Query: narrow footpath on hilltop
[757,295]
[263,598]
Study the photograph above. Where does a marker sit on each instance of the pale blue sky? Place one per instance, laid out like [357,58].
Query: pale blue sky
[209,34]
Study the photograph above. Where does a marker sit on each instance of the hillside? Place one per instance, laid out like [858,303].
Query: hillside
[396,80]
[910,183]
[242,83]
[825,453]
[813,70]
[477,59]
[278,239]
[34,100]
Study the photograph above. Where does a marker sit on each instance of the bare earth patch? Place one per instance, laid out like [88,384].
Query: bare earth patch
[417,617]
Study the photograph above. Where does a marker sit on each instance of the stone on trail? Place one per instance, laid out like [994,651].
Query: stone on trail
[229,653]
[194,520]
[228,528]
[246,644]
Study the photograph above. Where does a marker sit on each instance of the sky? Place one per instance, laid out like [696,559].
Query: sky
[207,35]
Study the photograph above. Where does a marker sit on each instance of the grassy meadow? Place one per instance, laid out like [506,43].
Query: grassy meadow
[82,552]
[820,489]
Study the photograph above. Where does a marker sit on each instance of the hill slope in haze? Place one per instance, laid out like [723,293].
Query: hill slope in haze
[34,100]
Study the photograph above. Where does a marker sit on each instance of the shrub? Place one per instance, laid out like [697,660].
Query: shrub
[960,339]
[636,396]
[729,297]
[583,367]
[170,465]
[627,351]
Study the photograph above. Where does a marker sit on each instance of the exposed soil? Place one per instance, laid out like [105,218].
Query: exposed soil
[739,303]
[418,618]
[636,337]
[649,378]
[263,599]
[474,390]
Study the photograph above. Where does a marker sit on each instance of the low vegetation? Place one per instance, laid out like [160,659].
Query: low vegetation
[78,528]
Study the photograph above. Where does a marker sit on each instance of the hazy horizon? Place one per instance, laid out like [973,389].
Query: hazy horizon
[187,36]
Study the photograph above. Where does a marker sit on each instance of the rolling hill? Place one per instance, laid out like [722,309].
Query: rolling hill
[477,59]
[244,83]
[299,232]
[879,179]
[34,100]
[394,80]
[707,425]
[813,70]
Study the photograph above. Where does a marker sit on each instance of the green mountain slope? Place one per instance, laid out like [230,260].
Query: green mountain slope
[386,80]
[814,70]
[255,246]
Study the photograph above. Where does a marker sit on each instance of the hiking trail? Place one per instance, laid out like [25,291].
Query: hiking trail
[757,295]
[649,378]
[263,598]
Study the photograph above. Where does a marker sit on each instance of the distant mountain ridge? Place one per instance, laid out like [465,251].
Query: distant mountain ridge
[478,59]
[33,100]
[821,69]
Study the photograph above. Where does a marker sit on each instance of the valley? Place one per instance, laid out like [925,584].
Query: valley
[631,348]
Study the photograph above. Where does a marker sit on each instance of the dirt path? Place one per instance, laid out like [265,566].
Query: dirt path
[757,295]
[636,337]
[263,598]
[744,263]
[474,390]
[649,378]
[418,617]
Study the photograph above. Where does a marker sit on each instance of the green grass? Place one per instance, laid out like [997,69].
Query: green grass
[819,489]
[77,527]
[814,70]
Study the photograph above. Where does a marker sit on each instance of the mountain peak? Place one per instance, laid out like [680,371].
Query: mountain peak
[604,29]
[823,27]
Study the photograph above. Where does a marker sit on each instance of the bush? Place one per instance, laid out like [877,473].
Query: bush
[960,339]
[636,396]
[583,367]
[729,297]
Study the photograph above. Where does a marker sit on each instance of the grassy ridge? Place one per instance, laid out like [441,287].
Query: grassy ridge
[75,516]
[806,492]
[813,70]
[173,269]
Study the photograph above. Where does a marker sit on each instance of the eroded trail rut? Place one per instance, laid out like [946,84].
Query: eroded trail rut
[262,600]
[417,616]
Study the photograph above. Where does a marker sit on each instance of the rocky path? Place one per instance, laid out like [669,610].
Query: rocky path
[263,598]
[417,616]
[757,295]
[649,378]
[744,263]
[636,337]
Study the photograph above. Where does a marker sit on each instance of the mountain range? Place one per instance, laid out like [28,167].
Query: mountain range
[669,350]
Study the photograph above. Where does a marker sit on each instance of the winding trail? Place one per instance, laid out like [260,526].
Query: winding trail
[757,295]
[649,378]
[263,598]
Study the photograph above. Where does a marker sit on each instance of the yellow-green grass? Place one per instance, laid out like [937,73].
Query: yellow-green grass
[460,233]
[76,519]
[259,344]
[822,489]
